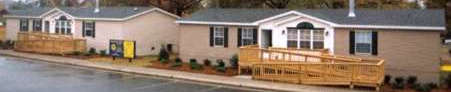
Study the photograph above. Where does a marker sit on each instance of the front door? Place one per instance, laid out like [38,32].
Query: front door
[266,38]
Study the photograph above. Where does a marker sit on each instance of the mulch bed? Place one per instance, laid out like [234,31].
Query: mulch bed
[388,88]
[186,67]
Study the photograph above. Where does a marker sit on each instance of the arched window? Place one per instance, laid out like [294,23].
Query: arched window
[305,35]
[63,26]
[305,25]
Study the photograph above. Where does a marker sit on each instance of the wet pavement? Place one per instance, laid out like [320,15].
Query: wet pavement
[23,75]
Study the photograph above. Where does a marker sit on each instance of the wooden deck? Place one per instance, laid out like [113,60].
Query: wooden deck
[49,43]
[310,67]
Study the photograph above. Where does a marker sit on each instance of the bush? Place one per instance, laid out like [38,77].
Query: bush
[194,65]
[178,62]
[432,85]
[448,81]
[92,51]
[411,80]
[164,54]
[234,61]
[87,54]
[76,53]
[164,61]
[221,66]
[399,83]
[423,88]
[387,79]
[103,52]
[8,44]
[207,62]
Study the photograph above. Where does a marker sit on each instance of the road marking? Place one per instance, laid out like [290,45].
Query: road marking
[156,85]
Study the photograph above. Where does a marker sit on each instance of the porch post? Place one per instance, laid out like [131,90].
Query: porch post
[259,37]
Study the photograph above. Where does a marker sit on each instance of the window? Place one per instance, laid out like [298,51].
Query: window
[63,26]
[89,28]
[24,25]
[247,36]
[219,36]
[292,38]
[318,39]
[47,26]
[37,25]
[363,40]
[305,38]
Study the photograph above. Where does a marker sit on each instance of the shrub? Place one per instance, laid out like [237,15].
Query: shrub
[8,44]
[234,61]
[164,54]
[164,61]
[76,53]
[399,83]
[207,62]
[432,85]
[86,54]
[178,62]
[415,86]
[92,51]
[387,79]
[448,81]
[423,88]
[221,65]
[411,80]
[103,52]
[194,65]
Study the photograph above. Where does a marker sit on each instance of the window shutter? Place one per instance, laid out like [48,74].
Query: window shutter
[352,42]
[226,37]
[211,36]
[255,34]
[93,29]
[374,43]
[239,37]
[83,29]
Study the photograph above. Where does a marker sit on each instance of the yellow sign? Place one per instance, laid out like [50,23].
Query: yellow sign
[129,49]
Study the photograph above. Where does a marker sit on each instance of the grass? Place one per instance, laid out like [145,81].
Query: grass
[138,62]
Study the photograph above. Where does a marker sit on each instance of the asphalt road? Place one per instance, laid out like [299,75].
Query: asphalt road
[23,75]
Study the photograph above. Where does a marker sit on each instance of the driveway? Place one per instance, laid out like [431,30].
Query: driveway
[24,75]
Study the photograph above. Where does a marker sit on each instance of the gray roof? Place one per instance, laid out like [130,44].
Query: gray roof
[88,12]
[29,12]
[406,17]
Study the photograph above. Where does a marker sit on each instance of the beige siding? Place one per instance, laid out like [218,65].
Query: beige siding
[12,27]
[151,31]
[406,52]
[195,43]
[105,31]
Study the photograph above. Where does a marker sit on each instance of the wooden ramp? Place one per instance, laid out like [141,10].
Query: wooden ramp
[49,43]
[311,67]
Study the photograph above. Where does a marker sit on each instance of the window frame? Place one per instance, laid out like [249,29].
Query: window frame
[370,36]
[26,24]
[247,33]
[215,35]
[37,28]
[305,35]
[89,26]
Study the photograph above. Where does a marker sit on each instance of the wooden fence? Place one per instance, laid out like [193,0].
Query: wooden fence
[311,67]
[49,43]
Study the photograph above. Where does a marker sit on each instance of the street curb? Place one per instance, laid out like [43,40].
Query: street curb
[158,72]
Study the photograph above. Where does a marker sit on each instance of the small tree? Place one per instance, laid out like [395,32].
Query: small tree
[234,61]
[164,54]
[92,51]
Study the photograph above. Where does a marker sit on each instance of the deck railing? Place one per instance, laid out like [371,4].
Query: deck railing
[49,43]
[311,67]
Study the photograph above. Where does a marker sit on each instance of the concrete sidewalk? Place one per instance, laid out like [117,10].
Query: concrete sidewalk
[183,75]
